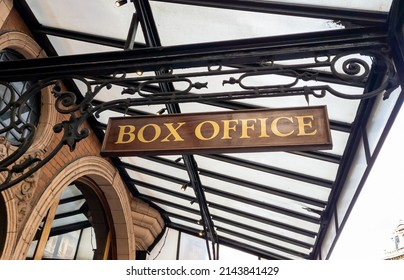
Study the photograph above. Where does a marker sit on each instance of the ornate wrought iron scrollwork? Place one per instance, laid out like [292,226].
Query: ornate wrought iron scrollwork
[193,86]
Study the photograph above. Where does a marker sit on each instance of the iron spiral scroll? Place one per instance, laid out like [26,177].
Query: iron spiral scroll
[303,79]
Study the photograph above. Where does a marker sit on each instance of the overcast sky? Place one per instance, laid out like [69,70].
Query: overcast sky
[380,205]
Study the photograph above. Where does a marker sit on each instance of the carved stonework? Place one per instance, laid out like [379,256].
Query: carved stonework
[24,191]
[4,148]
[147,223]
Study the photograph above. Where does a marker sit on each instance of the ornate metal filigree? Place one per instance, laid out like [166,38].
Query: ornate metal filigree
[317,78]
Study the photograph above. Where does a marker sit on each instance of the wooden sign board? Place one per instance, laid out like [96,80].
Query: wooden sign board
[303,128]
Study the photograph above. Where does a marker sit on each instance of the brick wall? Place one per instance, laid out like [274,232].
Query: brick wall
[57,172]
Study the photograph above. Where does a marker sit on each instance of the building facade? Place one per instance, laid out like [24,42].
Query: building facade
[117,224]
[68,68]
[396,251]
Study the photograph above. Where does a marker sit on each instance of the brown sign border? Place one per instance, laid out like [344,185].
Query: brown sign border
[321,141]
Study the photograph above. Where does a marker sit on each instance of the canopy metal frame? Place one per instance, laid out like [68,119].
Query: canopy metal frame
[374,34]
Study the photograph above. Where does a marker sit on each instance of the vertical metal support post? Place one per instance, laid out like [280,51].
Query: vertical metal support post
[130,40]
[150,33]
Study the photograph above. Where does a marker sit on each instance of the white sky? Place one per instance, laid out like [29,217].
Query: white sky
[380,205]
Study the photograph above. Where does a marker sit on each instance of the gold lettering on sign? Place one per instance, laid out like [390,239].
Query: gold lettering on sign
[173,132]
[245,127]
[126,131]
[275,130]
[157,133]
[255,130]
[263,123]
[208,130]
[227,128]
[303,124]
[215,131]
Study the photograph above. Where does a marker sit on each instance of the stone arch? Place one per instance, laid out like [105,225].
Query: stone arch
[26,46]
[11,225]
[109,182]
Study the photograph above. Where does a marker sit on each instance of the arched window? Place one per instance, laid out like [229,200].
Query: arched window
[75,228]
[30,110]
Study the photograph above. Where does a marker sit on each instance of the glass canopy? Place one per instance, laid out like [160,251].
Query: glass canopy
[282,54]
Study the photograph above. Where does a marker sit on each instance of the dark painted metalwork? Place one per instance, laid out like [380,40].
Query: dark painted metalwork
[266,188]
[257,203]
[243,236]
[84,37]
[364,110]
[339,15]
[272,170]
[166,86]
[215,217]
[236,212]
[368,55]
[23,8]
[246,51]
[79,112]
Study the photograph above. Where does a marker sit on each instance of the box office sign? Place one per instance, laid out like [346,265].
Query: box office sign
[303,128]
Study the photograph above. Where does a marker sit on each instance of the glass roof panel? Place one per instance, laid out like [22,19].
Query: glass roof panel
[373,5]
[70,220]
[260,199]
[165,187]
[339,109]
[339,142]
[179,212]
[171,198]
[70,191]
[228,253]
[283,218]
[67,46]
[286,245]
[188,224]
[69,207]
[76,15]
[289,231]
[198,107]
[308,166]
[253,245]
[260,178]
[210,24]
[157,167]
[248,194]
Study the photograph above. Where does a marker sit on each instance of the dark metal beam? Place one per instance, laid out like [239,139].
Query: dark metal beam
[245,200]
[360,17]
[169,204]
[30,20]
[231,243]
[250,249]
[235,223]
[130,39]
[71,213]
[69,228]
[396,32]
[80,36]
[215,206]
[236,212]
[239,225]
[263,243]
[152,39]
[254,239]
[364,110]
[197,55]
[272,170]
[236,181]
[71,199]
